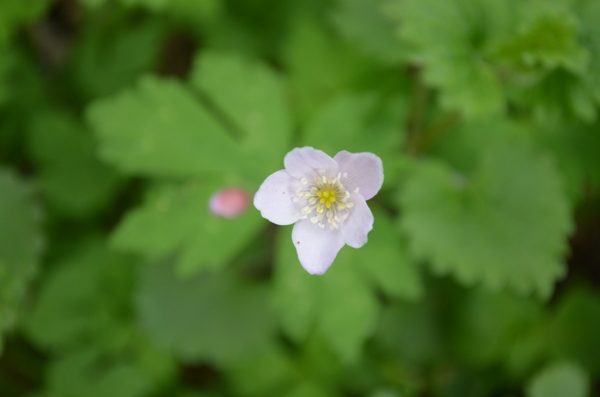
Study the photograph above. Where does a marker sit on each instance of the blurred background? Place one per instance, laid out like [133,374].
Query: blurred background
[134,133]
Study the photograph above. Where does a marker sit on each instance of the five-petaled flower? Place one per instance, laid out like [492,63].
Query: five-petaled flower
[326,199]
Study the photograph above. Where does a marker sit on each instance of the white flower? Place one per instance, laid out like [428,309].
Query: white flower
[326,198]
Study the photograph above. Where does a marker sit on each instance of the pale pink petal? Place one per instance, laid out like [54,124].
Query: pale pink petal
[306,162]
[316,247]
[359,222]
[274,198]
[365,172]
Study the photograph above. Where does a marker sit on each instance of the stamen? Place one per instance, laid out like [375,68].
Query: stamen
[328,198]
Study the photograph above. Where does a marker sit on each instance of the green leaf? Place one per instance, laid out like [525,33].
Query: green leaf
[450,39]
[93,3]
[361,123]
[320,66]
[20,245]
[15,13]
[347,309]
[571,91]
[72,179]
[213,318]
[558,380]
[251,96]
[504,225]
[589,12]
[558,96]
[111,56]
[574,147]
[545,38]
[385,260]
[160,129]
[153,5]
[175,219]
[83,299]
[308,389]
[412,331]
[294,291]
[340,303]
[575,329]
[8,63]
[487,324]
[83,317]
[89,373]
[365,23]
[269,373]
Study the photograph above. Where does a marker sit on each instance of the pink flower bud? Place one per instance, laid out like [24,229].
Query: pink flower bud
[229,203]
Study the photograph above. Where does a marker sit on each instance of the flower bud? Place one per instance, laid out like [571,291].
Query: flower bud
[229,203]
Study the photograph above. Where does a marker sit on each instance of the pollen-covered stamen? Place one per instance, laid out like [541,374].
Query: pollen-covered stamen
[328,198]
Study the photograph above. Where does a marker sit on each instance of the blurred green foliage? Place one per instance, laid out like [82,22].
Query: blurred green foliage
[119,119]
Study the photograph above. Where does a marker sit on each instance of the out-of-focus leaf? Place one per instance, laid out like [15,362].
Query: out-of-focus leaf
[341,304]
[575,328]
[450,40]
[546,38]
[308,389]
[154,5]
[93,3]
[364,22]
[506,224]
[212,318]
[574,147]
[7,64]
[72,179]
[589,13]
[87,373]
[252,98]
[269,373]
[319,66]
[160,129]
[361,123]
[176,220]
[558,380]
[108,58]
[294,291]
[15,13]
[559,95]
[487,325]
[346,309]
[570,91]
[20,245]
[83,316]
[412,331]
[386,261]
[86,297]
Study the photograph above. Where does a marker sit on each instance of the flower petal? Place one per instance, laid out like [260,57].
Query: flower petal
[365,172]
[274,198]
[359,222]
[306,162]
[316,247]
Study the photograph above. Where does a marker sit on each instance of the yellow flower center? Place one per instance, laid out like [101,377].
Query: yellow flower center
[328,198]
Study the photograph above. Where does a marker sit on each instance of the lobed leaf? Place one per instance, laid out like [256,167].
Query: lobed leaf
[200,318]
[252,99]
[72,179]
[175,219]
[450,40]
[505,225]
[160,129]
